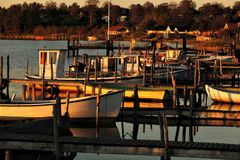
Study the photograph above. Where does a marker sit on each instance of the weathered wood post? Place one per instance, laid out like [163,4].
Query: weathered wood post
[51,66]
[1,73]
[115,70]
[85,87]
[56,125]
[33,92]
[144,72]
[97,113]
[8,155]
[96,69]
[164,134]
[27,67]
[67,104]
[160,121]
[8,74]
[24,90]
[195,74]
[152,72]
[93,89]
[174,89]
[136,100]
[190,115]
[43,77]
[68,46]
[165,130]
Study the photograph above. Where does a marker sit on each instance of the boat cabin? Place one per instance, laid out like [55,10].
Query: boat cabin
[53,60]
[125,63]
[170,54]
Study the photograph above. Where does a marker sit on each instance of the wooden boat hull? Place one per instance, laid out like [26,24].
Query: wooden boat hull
[84,107]
[222,95]
[144,93]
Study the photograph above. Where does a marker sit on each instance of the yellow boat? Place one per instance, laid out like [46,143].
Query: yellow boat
[144,93]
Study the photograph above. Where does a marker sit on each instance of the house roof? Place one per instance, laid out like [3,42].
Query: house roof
[231,25]
[117,28]
[179,28]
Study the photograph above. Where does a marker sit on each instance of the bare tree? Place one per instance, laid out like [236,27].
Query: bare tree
[92,7]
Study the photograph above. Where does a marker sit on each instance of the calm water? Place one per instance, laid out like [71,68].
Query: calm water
[22,51]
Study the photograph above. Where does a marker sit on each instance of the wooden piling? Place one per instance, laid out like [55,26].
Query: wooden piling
[136,99]
[51,65]
[43,77]
[190,116]
[1,72]
[165,130]
[174,89]
[67,104]
[93,90]
[184,134]
[160,121]
[95,70]
[97,113]
[144,72]
[33,92]
[56,124]
[24,90]
[8,74]
[115,70]
[8,155]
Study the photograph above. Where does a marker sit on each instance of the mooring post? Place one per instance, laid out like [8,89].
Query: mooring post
[165,130]
[160,121]
[51,65]
[184,134]
[185,95]
[67,104]
[8,155]
[93,89]
[95,69]
[33,92]
[136,100]
[24,90]
[27,67]
[1,73]
[152,70]
[8,74]
[97,112]
[85,87]
[190,115]
[43,76]
[144,72]
[115,71]
[174,89]
[56,125]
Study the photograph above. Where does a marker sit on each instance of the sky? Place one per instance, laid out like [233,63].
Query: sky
[123,3]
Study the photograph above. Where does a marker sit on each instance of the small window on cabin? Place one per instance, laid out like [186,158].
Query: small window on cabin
[131,60]
[43,57]
[52,55]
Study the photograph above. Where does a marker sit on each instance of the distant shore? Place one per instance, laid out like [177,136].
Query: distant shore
[213,45]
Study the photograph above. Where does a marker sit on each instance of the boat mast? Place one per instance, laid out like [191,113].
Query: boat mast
[108,34]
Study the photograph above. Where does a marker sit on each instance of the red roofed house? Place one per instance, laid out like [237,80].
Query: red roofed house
[118,30]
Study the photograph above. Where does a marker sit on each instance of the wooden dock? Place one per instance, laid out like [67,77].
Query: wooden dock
[121,146]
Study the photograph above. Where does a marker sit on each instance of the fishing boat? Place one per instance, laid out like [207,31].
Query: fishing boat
[77,108]
[146,93]
[52,66]
[218,94]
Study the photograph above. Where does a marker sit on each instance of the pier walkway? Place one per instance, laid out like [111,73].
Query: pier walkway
[121,146]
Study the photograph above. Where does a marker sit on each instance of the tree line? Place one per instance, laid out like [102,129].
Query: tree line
[52,18]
